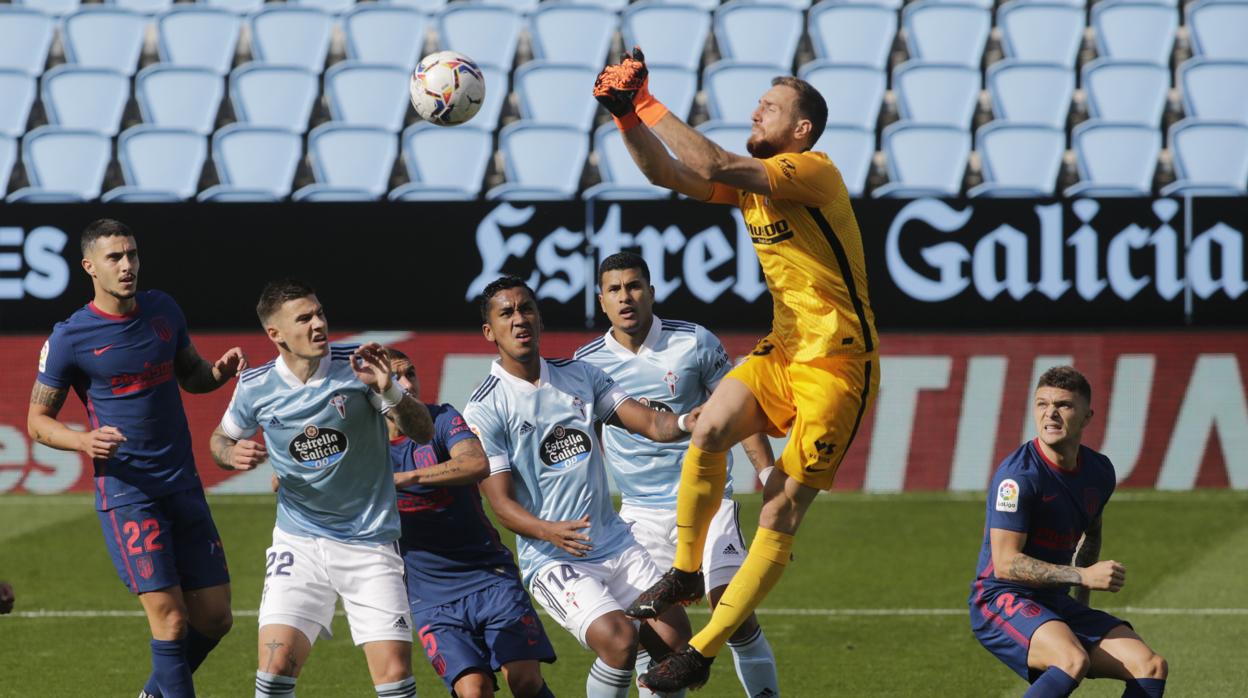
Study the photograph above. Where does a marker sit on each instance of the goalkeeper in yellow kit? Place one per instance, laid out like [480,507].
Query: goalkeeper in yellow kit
[813,376]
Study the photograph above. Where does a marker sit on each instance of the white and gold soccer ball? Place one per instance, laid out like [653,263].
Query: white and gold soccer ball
[447,88]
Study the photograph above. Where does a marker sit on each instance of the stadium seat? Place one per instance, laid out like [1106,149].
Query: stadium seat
[223,193]
[8,158]
[733,89]
[1215,89]
[936,93]
[675,87]
[1042,32]
[1019,160]
[17,94]
[1210,158]
[670,34]
[851,149]
[242,8]
[947,32]
[542,162]
[556,93]
[25,37]
[64,164]
[428,7]
[353,161]
[175,97]
[853,32]
[104,37]
[143,7]
[159,160]
[609,5]
[199,37]
[362,94]
[574,33]
[1132,92]
[751,32]
[254,161]
[1218,27]
[924,160]
[444,163]
[291,36]
[333,7]
[853,92]
[731,137]
[1135,30]
[497,87]
[273,96]
[1114,159]
[52,8]
[1031,93]
[92,99]
[621,180]
[385,33]
[488,33]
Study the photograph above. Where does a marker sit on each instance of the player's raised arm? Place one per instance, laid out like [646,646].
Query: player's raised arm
[467,465]
[196,375]
[371,364]
[236,454]
[1088,554]
[566,535]
[1010,563]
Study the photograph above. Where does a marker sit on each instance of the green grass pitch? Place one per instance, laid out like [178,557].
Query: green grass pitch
[1186,556]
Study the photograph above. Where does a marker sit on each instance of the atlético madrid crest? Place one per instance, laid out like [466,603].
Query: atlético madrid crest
[162,329]
[143,564]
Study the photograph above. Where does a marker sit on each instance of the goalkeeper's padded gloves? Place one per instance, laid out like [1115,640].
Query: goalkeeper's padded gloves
[624,91]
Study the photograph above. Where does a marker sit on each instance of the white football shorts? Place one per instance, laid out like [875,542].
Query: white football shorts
[723,555]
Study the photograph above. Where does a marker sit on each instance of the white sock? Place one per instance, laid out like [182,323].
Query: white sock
[606,682]
[274,685]
[398,689]
[756,666]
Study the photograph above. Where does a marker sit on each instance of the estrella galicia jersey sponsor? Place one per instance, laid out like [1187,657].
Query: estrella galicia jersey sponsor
[449,547]
[1054,507]
[544,436]
[122,368]
[675,370]
[328,444]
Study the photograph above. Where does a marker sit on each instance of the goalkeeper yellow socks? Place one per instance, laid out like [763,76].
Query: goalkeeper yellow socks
[702,479]
[769,555]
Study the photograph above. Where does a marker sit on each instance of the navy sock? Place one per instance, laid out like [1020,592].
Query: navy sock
[1145,688]
[197,646]
[1053,683]
[170,669]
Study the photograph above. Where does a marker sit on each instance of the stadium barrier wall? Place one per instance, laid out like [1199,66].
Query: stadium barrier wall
[1171,408]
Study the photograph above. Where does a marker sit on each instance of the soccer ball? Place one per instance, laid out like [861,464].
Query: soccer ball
[447,88]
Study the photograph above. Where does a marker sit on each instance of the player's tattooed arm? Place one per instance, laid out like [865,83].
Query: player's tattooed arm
[652,424]
[43,426]
[233,454]
[757,448]
[196,375]
[47,396]
[566,535]
[1087,555]
[468,465]
[1012,564]
[412,418]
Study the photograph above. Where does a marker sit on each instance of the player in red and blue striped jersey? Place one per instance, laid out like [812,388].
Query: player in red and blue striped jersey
[125,354]
[1042,535]
[471,613]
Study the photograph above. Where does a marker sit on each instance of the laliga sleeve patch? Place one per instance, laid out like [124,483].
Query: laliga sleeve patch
[1007,496]
[43,358]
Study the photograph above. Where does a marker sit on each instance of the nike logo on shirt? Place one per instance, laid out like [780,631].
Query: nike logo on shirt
[101,350]
[1048,498]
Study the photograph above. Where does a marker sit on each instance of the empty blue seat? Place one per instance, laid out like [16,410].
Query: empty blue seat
[428,7]
[8,157]
[851,149]
[275,96]
[702,5]
[497,87]
[443,163]
[333,7]
[144,7]
[25,36]
[936,93]
[1215,89]
[1126,91]
[1217,28]
[17,94]
[1031,93]
[487,33]
[104,37]
[947,32]
[540,161]
[1135,30]
[1019,160]
[177,97]
[385,33]
[159,160]
[368,95]
[1114,159]
[611,5]
[65,164]
[557,94]
[676,87]
[758,33]
[292,36]
[1042,32]
[53,8]
[350,162]
[241,8]
[924,160]
[255,159]
[733,89]
[732,137]
[1210,158]
[670,34]
[853,92]
[572,33]
[85,98]
[621,179]
[199,37]
[853,32]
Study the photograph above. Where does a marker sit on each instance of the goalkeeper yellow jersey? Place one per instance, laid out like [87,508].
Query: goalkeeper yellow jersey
[808,242]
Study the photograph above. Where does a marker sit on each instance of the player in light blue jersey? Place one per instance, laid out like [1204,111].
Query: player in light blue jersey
[672,366]
[321,407]
[536,421]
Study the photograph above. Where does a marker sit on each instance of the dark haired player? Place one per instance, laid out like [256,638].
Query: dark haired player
[1045,497]
[125,354]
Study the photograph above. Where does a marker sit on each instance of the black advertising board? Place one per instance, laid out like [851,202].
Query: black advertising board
[933,264]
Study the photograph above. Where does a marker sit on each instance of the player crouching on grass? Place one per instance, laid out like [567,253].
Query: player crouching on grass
[1044,496]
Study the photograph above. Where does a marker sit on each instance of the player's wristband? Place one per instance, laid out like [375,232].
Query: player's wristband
[627,121]
[680,423]
[391,397]
[765,474]
[650,110]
